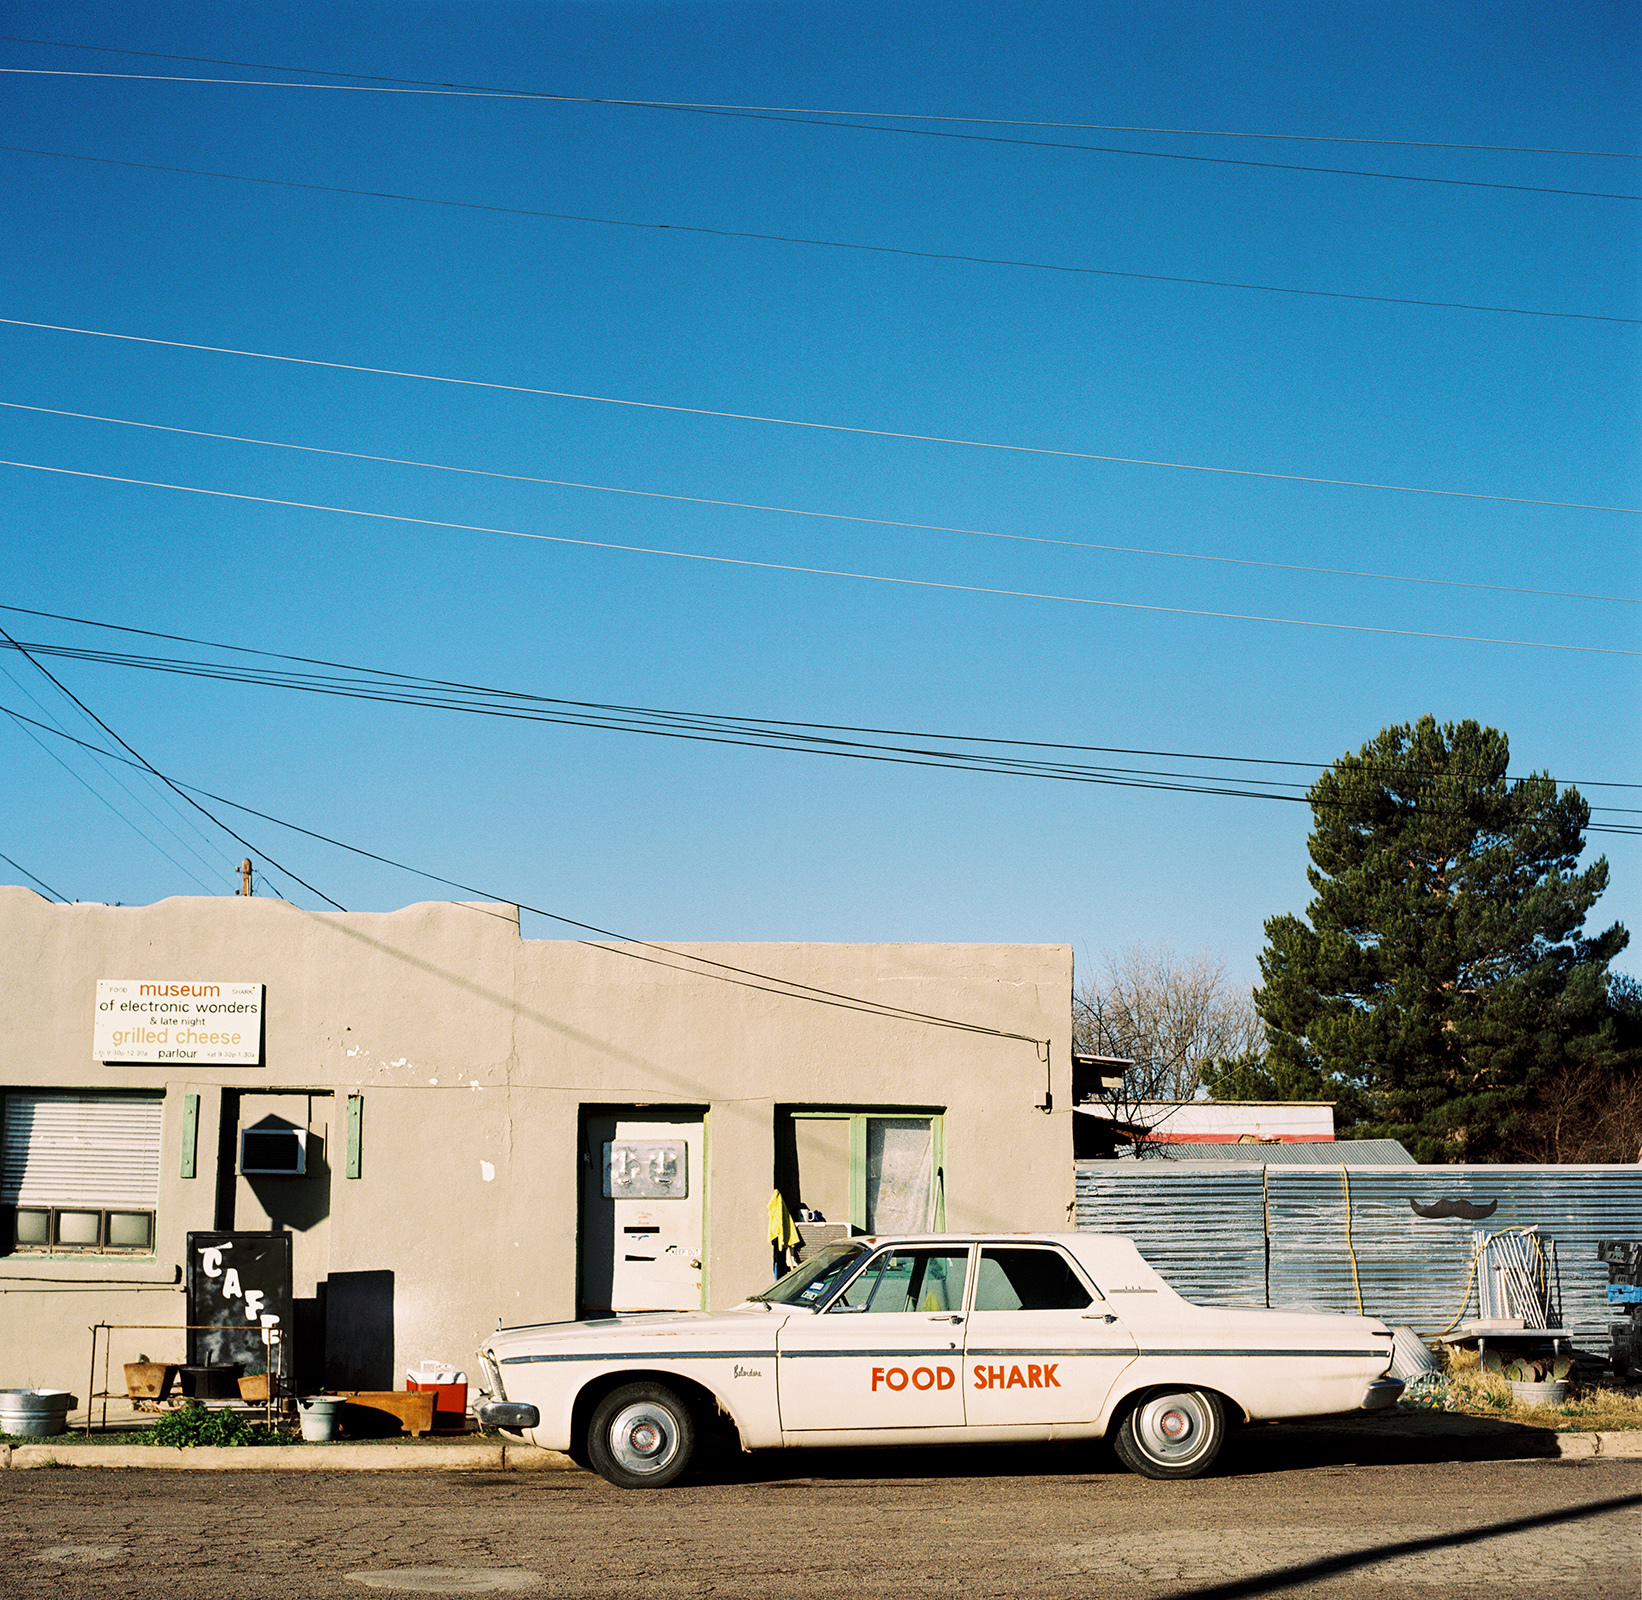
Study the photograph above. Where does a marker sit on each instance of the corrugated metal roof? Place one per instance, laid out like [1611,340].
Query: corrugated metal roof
[1318,1153]
[1206,1228]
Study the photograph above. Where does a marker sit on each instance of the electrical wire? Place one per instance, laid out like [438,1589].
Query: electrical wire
[906,116]
[149,766]
[719,971]
[1199,787]
[103,799]
[832,516]
[825,572]
[176,810]
[377,685]
[810,121]
[792,422]
[32,879]
[826,244]
[702,717]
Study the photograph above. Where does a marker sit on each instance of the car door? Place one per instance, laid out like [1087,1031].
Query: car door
[886,1353]
[1042,1347]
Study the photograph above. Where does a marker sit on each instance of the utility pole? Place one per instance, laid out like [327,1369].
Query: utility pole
[245,877]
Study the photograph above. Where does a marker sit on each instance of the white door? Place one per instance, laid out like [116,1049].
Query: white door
[643,1179]
[1041,1348]
[888,1353]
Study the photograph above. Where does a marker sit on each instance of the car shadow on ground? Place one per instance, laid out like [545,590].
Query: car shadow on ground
[1256,1450]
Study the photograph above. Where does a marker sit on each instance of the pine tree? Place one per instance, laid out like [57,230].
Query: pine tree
[1443,979]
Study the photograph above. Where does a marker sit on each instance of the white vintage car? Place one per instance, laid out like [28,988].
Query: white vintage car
[935,1340]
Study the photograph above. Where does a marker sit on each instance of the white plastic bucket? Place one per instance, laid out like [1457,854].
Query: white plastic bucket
[319,1416]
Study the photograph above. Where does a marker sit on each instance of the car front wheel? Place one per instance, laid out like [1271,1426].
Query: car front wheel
[641,1436]
[1176,1434]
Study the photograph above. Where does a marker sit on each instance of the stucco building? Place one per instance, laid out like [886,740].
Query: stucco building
[457,1125]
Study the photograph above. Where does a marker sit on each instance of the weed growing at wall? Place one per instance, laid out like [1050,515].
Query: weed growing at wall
[196,1425]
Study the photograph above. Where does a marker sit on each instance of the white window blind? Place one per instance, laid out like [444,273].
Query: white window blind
[81,1150]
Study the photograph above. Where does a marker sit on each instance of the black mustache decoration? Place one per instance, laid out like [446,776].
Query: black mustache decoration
[1455,1208]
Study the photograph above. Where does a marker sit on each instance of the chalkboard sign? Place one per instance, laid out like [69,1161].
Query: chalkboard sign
[239,1288]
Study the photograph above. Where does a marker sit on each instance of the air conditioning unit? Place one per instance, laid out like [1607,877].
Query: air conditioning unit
[273,1152]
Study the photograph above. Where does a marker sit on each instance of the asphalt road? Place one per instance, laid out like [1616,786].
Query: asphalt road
[914,1523]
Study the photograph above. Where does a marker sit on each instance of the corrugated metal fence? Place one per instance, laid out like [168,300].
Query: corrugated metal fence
[1247,1234]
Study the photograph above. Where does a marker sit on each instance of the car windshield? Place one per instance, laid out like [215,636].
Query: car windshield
[810,1282]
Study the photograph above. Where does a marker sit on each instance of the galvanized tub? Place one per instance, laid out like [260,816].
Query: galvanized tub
[34,1413]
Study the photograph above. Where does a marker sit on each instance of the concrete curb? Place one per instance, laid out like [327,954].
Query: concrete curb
[345,1457]
[292,1457]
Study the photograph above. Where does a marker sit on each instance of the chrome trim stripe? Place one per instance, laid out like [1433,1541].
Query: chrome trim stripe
[948,1354]
[1083,1350]
[646,1355]
[1312,1355]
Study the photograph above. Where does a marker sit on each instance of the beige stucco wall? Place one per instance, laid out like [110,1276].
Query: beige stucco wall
[474,1051]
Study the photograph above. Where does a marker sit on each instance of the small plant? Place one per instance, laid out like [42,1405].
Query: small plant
[196,1425]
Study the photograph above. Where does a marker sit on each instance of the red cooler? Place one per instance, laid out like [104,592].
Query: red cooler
[450,1390]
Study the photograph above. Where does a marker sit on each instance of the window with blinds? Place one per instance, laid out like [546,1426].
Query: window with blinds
[80,1173]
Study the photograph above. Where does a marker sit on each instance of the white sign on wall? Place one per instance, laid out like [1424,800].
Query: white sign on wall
[162,1019]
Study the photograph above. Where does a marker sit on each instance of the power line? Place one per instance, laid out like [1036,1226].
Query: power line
[1624,829]
[833,516]
[790,738]
[719,971]
[812,121]
[793,422]
[176,810]
[826,244]
[149,766]
[905,116]
[381,684]
[103,799]
[821,572]
[32,879]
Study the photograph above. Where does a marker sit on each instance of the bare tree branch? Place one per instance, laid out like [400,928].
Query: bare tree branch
[1170,1015]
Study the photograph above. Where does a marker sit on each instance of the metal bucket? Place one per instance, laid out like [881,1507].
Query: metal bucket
[34,1413]
[1539,1394]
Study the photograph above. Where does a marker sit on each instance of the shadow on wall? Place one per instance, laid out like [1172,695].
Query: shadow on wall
[294,1198]
[359,1330]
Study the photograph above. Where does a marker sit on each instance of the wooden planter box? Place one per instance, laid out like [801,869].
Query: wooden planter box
[149,1380]
[412,1408]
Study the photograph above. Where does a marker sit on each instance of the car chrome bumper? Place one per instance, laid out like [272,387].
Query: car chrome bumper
[516,1417]
[1381,1393]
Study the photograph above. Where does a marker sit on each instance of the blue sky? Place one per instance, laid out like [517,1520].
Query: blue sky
[661,838]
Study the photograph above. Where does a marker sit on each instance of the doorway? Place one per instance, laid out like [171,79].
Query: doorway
[643,1209]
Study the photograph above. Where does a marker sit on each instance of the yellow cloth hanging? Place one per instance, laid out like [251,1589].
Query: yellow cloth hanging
[783,1230]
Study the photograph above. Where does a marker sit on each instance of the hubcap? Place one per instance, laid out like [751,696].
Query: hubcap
[1173,1428]
[643,1438]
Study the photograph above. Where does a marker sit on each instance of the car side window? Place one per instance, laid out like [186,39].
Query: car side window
[1027,1280]
[931,1281]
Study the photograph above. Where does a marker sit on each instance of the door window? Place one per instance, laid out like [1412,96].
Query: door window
[1027,1280]
[931,1281]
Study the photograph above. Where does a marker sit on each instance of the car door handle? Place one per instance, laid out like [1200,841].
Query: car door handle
[1096,1316]
[946,1319]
